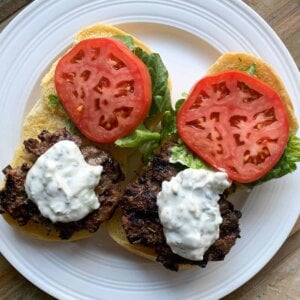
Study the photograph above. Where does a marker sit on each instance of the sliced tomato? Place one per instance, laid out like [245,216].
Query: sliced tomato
[104,88]
[236,123]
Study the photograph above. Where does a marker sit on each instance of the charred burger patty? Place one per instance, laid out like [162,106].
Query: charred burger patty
[15,203]
[141,221]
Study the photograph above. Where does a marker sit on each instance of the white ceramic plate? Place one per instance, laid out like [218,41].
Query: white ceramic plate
[189,35]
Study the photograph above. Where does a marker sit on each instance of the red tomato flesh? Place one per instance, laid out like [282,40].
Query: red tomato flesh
[104,88]
[236,123]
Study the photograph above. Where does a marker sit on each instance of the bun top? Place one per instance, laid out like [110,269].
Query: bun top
[264,72]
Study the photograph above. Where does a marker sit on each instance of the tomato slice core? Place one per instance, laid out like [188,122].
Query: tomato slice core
[104,88]
[236,123]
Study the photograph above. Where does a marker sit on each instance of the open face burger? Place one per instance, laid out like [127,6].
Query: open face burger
[65,179]
[238,125]
[37,199]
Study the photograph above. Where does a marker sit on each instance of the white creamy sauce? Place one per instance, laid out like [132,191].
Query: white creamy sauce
[62,184]
[189,211]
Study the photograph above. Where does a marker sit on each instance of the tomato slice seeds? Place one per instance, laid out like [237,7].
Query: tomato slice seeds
[236,123]
[104,88]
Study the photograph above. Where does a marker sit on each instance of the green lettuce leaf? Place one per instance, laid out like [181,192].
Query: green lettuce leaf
[126,39]
[138,138]
[54,101]
[161,99]
[147,150]
[71,127]
[292,151]
[181,154]
[286,164]
[251,70]
[168,123]
[143,138]
[178,104]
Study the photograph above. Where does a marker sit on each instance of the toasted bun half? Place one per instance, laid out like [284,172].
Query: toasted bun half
[228,61]
[117,233]
[43,116]
[264,72]
[38,231]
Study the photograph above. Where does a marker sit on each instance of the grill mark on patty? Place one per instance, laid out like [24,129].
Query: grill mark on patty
[141,222]
[14,200]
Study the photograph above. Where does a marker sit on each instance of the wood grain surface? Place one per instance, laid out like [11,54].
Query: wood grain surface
[280,278]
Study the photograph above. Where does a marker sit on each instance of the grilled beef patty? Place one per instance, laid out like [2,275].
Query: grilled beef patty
[141,222]
[14,201]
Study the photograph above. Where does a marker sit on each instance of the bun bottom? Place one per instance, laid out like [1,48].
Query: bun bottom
[40,232]
[117,233]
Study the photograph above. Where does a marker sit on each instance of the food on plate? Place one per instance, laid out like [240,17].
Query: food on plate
[257,67]
[124,106]
[104,88]
[138,225]
[107,93]
[177,212]
[65,190]
[241,123]
[238,124]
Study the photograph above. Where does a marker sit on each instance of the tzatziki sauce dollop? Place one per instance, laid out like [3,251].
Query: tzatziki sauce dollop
[62,184]
[189,211]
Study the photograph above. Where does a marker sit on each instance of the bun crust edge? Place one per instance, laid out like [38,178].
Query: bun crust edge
[117,233]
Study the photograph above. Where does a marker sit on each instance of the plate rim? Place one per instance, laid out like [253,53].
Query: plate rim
[241,5]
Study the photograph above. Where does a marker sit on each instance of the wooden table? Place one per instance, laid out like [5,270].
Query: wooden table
[280,278]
